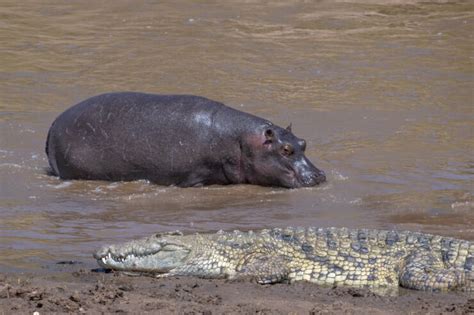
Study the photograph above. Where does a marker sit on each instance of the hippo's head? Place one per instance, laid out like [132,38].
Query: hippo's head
[275,157]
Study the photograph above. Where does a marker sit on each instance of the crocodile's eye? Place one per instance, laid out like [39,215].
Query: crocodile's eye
[287,149]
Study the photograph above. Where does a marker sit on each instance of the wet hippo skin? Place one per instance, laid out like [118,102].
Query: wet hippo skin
[180,140]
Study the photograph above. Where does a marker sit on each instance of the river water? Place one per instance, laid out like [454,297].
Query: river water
[381,91]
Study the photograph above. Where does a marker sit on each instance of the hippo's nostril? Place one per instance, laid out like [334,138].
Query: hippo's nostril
[302,144]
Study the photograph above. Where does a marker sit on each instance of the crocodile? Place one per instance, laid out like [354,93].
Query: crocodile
[326,256]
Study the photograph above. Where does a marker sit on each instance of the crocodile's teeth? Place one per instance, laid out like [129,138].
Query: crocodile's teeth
[104,260]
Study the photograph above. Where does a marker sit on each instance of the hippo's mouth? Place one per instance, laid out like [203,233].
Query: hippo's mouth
[307,178]
[290,179]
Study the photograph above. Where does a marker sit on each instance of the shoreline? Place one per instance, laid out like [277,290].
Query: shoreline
[86,291]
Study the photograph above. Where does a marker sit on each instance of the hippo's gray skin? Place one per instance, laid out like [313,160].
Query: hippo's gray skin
[180,140]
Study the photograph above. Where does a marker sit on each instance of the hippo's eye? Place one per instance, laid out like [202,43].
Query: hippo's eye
[287,150]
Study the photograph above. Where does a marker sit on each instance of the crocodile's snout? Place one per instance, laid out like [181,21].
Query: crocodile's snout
[103,252]
[149,255]
[128,261]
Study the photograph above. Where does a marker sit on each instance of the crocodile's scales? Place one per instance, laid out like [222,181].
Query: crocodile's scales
[327,256]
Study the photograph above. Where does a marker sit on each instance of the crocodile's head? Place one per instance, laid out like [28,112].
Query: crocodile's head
[159,253]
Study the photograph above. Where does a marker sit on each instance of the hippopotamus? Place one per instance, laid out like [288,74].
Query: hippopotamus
[180,140]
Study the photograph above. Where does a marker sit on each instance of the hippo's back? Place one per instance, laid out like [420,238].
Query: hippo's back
[112,108]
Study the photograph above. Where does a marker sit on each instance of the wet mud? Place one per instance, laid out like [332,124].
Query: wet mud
[91,292]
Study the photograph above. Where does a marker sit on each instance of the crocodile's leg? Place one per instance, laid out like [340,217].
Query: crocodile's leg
[421,270]
[263,268]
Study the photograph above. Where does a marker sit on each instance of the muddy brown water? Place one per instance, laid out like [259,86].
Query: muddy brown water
[381,91]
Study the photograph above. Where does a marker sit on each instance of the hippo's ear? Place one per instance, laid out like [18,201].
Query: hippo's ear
[289,127]
[269,136]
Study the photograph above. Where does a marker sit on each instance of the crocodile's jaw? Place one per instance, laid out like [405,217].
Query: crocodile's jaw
[154,254]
